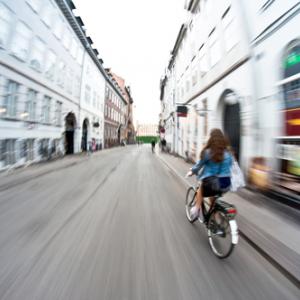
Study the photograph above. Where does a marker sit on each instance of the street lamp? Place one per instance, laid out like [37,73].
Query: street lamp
[2,110]
[24,115]
[231,98]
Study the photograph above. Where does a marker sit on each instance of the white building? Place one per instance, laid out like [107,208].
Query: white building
[146,130]
[52,83]
[92,104]
[226,66]
[210,64]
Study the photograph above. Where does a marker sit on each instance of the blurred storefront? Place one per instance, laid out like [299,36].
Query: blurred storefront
[288,146]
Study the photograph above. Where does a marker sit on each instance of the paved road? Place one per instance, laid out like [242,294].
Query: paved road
[114,227]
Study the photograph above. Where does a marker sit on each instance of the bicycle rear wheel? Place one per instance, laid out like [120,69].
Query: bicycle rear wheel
[219,234]
[190,202]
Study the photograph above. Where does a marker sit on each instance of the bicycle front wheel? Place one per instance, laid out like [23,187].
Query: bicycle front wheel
[220,235]
[190,202]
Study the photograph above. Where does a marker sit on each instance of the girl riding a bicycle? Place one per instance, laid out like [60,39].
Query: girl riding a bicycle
[215,163]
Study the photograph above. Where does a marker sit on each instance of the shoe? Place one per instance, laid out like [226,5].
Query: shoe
[194,213]
[218,231]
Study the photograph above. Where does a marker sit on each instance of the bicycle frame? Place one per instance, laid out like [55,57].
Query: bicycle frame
[215,214]
[217,204]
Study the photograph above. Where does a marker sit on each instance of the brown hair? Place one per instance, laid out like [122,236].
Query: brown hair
[217,144]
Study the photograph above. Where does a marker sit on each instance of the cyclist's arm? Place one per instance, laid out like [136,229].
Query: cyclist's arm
[196,168]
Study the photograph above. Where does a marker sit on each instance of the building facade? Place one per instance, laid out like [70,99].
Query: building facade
[114,113]
[235,66]
[129,132]
[41,62]
[146,130]
[92,105]
[52,83]
[208,69]
[130,129]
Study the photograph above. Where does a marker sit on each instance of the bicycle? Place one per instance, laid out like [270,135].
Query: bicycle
[219,219]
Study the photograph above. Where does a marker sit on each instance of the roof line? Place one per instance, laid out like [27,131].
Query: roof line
[179,39]
[67,11]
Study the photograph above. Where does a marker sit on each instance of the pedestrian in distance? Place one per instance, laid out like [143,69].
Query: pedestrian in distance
[93,145]
[89,148]
[153,145]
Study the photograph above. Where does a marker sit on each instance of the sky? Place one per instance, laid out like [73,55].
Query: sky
[135,38]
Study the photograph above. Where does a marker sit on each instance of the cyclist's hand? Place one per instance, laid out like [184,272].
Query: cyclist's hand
[189,174]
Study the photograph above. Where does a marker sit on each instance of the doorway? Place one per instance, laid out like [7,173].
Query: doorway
[232,126]
[70,124]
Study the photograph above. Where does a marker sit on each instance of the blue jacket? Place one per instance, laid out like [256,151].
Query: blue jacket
[211,168]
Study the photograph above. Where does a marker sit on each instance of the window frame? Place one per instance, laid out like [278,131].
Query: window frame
[42,52]
[8,22]
[16,39]
[46,109]
[31,103]
[11,98]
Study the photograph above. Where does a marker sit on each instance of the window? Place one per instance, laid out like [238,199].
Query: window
[67,39]
[21,40]
[50,64]
[77,87]
[87,70]
[229,27]
[208,6]
[46,109]
[58,113]
[194,77]
[79,55]
[266,4]
[106,93]
[74,48]
[5,23]
[215,51]
[29,149]
[98,103]
[94,100]
[31,104]
[292,94]
[8,151]
[37,54]
[61,74]
[58,27]
[105,110]
[87,94]
[34,4]
[44,148]
[47,13]
[187,86]
[69,81]
[203,64]
[11,98]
